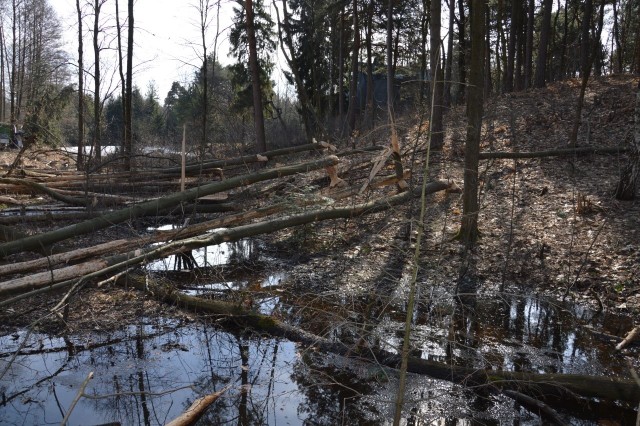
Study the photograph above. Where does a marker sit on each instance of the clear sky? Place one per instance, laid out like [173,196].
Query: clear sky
[167,39]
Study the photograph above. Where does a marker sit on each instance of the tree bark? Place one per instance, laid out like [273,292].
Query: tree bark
[475,108]
[545,33]
[437,135]
[258,113]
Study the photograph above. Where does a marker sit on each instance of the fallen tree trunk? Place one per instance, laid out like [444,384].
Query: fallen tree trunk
[539,386]
[248,159]
[552,153]
[60,278]
[119,246]
[44,240]
[42,188]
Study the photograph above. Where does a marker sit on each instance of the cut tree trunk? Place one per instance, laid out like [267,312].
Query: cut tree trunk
[119,246]
[44,240]
[553,153]
[93,269]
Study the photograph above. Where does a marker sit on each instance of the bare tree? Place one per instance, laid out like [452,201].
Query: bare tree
[80,155]
[545,33]
[353,85]
[628,183]
[528,56]
[586,61]
[128,92]
[448,74]
[437,136]
[475,109]
[97,105]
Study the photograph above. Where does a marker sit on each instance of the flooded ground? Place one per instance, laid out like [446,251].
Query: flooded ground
[156,369]
[151,370]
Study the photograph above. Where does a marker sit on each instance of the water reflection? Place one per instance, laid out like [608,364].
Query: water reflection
[236,252]
[270,383]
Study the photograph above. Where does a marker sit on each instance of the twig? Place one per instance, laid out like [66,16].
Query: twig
[586,258]
[79,395]
[196,410]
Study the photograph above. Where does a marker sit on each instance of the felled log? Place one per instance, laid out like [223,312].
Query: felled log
[36,242]
[553,153]
[124,245]
[45,190]
[113,264]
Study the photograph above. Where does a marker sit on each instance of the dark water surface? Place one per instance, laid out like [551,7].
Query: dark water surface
[151,371]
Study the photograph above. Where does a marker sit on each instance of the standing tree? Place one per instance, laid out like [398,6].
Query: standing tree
[204,21]
[126,82]
[528,56]
[258,115]
[306,109]
[353,84]
[80,155]
[628,183]
[253,32]
[448,74]
[469,228]
[585,69]
[462,53]
[128,116]
[97,105]
[514,35]
[437,136]
[545,32]
[395,143]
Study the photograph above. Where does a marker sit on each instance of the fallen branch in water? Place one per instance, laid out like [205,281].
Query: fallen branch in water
[537,386]
[196,410]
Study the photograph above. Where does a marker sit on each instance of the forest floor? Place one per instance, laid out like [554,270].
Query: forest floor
[550,227]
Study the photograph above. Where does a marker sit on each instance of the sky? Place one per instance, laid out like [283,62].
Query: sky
[167,39]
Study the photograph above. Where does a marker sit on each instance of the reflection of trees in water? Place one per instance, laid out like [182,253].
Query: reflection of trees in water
[252,366]
[333,394]
[184,261]
[243,251]
[136,364]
